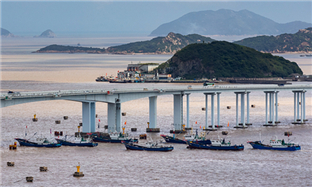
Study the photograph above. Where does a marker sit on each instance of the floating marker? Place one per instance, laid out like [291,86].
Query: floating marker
[35,119]
[43,168]
[29,179]
[78,173]
[224,132]
[228,107]
[58,122]
[123,114]
[65,117]
[10,164]
[133,129]
[253,106]
[203,109]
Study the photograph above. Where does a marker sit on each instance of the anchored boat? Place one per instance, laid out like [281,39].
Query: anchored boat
[187,137]
[77,141]
[115,137]
[218,144]
[275,144]
[149,146]
[37,142]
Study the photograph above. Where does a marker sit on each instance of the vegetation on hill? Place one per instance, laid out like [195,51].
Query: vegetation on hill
[69,49]
[169,44]
[300,41]
[224,59]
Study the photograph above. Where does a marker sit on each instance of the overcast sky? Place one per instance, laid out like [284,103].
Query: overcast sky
[131,17]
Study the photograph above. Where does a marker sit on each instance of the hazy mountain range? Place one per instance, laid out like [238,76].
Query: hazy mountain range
[227,22]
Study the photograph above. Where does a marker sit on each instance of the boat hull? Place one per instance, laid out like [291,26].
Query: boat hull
[106,140]
[267,147]
[142,148]
[27,143]
[169,139]
[210,147]
[82,144]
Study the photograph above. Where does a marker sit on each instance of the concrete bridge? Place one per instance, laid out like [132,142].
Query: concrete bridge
[114,98]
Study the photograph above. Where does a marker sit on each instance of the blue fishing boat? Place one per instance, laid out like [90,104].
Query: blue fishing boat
[187,137]
[77,141]
[38,142]
[116,137]
[218,144]
[275,144]
[149,146]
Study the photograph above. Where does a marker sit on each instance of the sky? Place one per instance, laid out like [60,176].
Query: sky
[130,17]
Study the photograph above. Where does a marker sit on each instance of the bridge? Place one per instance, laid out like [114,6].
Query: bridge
[114,98]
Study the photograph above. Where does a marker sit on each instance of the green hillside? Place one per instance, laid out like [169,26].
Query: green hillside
[300,41]
[224,59]
[169,44]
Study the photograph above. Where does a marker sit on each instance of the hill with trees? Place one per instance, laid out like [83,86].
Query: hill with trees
[298,42]
[224,59]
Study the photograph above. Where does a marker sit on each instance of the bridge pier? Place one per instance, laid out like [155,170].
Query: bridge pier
[152,112]
[242,123]
[299,101]
[187,111]
[212,94]
[271,104]
[114,117]
[178,111]
[88,117]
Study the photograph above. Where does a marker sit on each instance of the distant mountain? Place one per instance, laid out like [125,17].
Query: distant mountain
[160,45]
[227,22]
[6,33]
[300,41]
[169,44]
[224,59]
[47,34]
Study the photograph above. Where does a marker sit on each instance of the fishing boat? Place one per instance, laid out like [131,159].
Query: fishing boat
[218,144]
[148,146]
[115,137]
[275,144]
[37,142]
[77,141]
[187,137]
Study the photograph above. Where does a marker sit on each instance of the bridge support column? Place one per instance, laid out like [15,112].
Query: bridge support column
[187,111]
[118,117]
[178,111]
[299,101]
[272,104]
[206,111]
[88,117]
[243,124]
[152,112]
[111,117]
[276,107]
[212,110]
[218,108]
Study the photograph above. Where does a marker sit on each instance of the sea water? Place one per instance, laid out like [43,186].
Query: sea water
[112,164]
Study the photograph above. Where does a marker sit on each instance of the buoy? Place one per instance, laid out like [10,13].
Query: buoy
[228,107]
[29,179]
[203,108]
[133,129]
[43,168]
[123,114]
[78,173]
[80,124]
[224,132]
[13,147]
[288,133]
[253,106]
[58,122]
[105,126]
[96,115]
[61,133]
[10,164]
[35,119]
[142,136]
[79,128]
[56,133]
[65,117]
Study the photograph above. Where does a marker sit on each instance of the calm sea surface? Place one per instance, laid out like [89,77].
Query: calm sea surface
[112,164]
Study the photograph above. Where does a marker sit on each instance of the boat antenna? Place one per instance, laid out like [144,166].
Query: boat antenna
[32,136]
